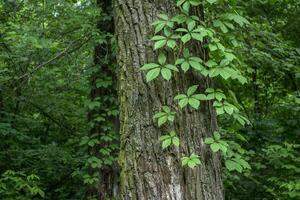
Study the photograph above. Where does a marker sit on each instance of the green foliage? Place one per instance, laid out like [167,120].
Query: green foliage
[191,161]
[216,144]
[47,69]
[170,139]
[190,98]
[46,52]
[166,115]
[18,186]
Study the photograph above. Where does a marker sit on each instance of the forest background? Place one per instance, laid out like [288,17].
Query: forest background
[52,100]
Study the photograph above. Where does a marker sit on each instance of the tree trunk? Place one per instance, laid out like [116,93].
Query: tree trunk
[147,171]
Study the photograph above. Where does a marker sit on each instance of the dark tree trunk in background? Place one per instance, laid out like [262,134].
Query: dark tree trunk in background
[147,171]
[104,61]
[257,109]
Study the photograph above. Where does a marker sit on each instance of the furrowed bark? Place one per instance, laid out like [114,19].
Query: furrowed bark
[147,171]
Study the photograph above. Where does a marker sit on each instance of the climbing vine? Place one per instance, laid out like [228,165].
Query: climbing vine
[216,34]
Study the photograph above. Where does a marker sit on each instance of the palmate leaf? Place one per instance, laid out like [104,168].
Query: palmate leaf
[191,161]
[168,140]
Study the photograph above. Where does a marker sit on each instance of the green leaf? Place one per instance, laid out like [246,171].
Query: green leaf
[180,96]
[215,147]
[217,135]
[172,134]
[164,137]
[191,25]
[186,53]
[200,97]
[185,66]
[211,1]
[185,160]
[159,27]
[162,120]
[192,164]
[220,111]
[171,67]
[171,44]
[152,74]
[229,109]
[219,96]
[158,37]
[158,115]
[166,73]
[194,103]
[162,59]
[179,61]
[166,143]
[223,148]
[186,38]
[164,17]
[159,44]
[196,65]
[195,2]
[183,102]
[176,141]
[224,74]
[171,118]
[209,141]
[230,165]
[167,109]
[197,36]
[192,90]
[186,6]
[149,66]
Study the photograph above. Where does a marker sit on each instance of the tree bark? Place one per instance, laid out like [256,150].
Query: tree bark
[147,171]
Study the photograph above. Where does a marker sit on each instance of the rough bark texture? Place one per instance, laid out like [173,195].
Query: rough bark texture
[147,171]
